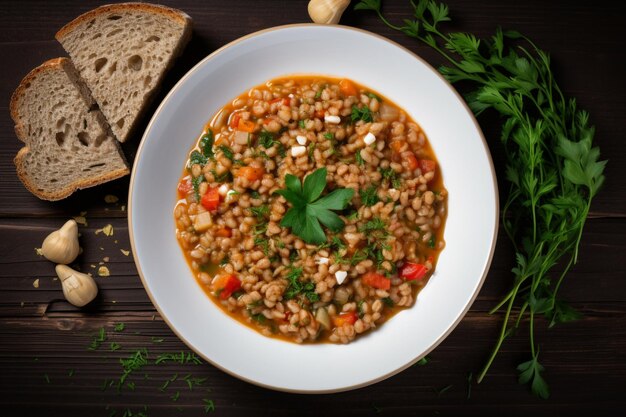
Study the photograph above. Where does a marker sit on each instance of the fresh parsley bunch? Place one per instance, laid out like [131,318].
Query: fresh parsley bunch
[552,166]
[308,209]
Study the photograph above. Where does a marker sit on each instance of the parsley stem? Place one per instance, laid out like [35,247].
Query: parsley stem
[503,334]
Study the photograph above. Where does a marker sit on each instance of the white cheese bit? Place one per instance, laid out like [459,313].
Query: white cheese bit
[340,276]
[298,151]
[223,190]
[332,119]
[369,138]
[323,261]
[301,139]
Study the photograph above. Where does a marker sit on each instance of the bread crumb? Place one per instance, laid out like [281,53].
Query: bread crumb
[36,283]
[21,303]
[103,271]
[92,265]
[125,252]
[39,251]
[105,259]
[81,219]
[110,198]
[107,230]
[115,241]
[123,208]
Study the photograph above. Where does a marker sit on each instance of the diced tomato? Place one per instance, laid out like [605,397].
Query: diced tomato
[224,285]
[345,318]
[427,165]
[376,280]
[223,232]
[246,125]
[411,271]
[288,315]
[184,187]
[411,160]
[251,173]
[319,114]
[234,120]
[347,87]
[211,199]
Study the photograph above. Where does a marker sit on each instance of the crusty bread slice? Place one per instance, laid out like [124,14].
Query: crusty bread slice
[122,52]
[68,144]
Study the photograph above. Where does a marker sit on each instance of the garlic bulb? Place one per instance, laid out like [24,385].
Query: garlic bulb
[78,288]
[327,11]
[61,246]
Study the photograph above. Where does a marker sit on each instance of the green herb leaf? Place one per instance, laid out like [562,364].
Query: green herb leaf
[531,372]
[308,209]
[206,145]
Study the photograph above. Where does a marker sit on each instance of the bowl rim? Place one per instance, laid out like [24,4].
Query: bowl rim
[435,343]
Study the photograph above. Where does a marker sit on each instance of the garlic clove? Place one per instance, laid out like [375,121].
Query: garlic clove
[61,246]
[327,11]
[78,288]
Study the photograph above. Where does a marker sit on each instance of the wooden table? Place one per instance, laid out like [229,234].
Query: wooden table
[47,369]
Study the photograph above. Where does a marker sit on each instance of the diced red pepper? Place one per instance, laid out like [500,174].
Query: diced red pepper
[376,280]
[345,318]
[211,199]
[184,187]
[411,271]
[427,165]
[234,120]
[225,285]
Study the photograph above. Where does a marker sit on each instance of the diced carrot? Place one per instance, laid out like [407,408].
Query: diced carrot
[184,187]
[223,232]
[345,318]
[285,101]
[246,125]
[234,120]
[397,145]
[427,165]
[347,87]
[211,199]
[319,114]
[411,160]
[250,173]
[224,285]
[376,280]
[411,271]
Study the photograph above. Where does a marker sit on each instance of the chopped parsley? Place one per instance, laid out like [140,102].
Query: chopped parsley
[369,196]
[361,113]
[391,175]
[267,139]
[359,159]
[296,287]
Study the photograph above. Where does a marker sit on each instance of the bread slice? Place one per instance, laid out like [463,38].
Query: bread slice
[68,144]
[122,52]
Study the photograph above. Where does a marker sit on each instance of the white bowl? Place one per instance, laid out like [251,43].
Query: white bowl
[385,67]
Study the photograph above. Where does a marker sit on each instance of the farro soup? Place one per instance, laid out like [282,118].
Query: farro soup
[311,209]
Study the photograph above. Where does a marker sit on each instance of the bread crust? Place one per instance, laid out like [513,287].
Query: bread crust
[176,15]
[50,65]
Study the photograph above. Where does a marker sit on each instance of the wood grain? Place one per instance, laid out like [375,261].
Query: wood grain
[42,336]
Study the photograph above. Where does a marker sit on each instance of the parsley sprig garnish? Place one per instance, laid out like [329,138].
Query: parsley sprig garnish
[309,209]
[552,167]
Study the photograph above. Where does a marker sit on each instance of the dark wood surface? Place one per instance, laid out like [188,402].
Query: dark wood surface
[43,339]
